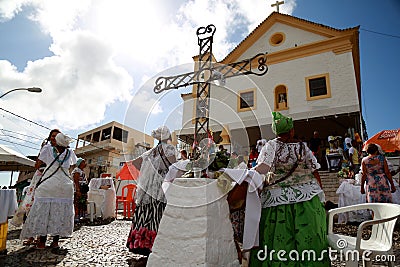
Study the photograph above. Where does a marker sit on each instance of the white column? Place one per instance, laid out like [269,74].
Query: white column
[195,229]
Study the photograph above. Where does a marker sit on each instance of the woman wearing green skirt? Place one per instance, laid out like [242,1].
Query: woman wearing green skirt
[292,229]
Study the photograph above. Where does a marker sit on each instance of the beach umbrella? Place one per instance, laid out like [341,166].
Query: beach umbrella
[389,140]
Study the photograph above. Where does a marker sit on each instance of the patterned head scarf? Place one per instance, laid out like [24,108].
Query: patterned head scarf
[161,133]
[281,124]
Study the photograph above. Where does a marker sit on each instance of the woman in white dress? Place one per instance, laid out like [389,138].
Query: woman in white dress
[24,208]
[52,212]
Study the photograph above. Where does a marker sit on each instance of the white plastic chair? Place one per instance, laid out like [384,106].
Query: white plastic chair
[380,241]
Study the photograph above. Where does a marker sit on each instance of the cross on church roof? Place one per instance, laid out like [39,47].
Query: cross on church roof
[277,4]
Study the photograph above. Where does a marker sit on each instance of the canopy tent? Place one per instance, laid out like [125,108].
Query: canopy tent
[389,140]
[11,160]
[127,172]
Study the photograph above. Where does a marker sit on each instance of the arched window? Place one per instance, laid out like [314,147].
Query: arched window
[281,98]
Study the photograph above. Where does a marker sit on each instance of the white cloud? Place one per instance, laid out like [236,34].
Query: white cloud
[8,8]
[145,102]
[100,45]
[78,82]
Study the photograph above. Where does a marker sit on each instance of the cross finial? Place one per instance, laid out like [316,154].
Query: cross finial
[277,4]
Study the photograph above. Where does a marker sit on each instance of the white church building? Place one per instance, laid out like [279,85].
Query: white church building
[313,76]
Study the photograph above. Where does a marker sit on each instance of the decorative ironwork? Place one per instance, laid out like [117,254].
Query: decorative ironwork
[256,65]
[208,72]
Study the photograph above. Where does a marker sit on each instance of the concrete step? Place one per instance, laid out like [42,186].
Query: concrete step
[330,183]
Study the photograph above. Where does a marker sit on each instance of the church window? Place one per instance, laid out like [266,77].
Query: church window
[281,99]
[277,39]
[246,100]
[318,87]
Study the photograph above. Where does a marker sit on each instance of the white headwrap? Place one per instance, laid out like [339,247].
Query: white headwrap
[161,133]
[63,140]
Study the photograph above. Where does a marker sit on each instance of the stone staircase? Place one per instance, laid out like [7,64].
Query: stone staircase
[330,184]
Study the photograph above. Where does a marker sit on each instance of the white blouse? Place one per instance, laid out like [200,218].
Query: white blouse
[48,153]
[301,185]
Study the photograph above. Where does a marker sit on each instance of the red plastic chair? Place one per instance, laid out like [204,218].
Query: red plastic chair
[128,199]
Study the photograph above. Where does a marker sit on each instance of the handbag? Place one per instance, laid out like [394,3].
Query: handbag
[237,196]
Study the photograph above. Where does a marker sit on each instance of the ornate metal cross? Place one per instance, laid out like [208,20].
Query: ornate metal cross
[208,72]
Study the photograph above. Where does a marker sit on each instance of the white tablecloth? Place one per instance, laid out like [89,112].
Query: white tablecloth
[96,183]
[8,204]
[104,199]
[350,194]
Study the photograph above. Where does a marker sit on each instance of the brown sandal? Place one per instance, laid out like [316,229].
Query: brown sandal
[28,242]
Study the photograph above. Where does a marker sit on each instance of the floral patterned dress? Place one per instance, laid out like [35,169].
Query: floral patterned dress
[377,184]
[27,202]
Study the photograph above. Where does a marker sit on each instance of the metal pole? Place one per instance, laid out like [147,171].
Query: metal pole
[31,89]
[12,172]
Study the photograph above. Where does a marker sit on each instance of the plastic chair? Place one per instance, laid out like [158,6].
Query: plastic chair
[380,241]
[128,199]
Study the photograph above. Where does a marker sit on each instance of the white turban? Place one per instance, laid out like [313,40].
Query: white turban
[161,133]
[63,140]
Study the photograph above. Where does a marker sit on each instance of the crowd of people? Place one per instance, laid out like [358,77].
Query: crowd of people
[292,199]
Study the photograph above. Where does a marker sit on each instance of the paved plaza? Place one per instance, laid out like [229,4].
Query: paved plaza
[101,243]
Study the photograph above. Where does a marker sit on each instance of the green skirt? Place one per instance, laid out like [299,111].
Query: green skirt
[292,235]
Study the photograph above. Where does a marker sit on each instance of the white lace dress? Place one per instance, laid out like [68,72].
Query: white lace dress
[52,212]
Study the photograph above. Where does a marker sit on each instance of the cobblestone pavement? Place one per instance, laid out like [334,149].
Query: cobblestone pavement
[102,243]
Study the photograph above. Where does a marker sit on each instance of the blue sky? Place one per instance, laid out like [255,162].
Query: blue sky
[94,59]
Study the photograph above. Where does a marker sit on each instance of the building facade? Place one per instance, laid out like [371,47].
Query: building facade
[313,76]
[107,147]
